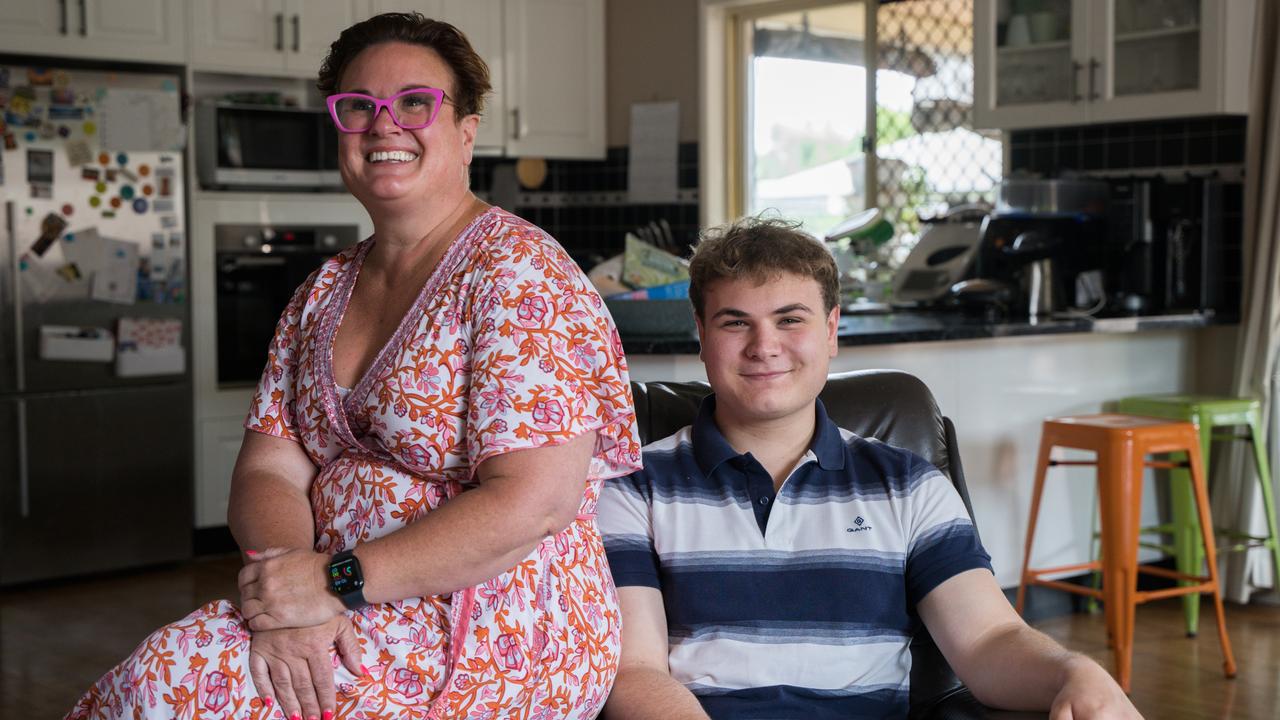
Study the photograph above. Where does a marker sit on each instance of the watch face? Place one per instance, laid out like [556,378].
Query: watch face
[344,576]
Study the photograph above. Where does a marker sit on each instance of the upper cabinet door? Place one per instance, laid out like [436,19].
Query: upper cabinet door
[1159,58]
[555,78]
[1032,68]
[27,26]
[238,35]
[132,29]
[313,25]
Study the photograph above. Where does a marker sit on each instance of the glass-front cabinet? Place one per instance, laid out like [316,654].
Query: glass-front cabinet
[1064,62]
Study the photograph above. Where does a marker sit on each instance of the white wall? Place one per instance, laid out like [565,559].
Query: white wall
[997,391]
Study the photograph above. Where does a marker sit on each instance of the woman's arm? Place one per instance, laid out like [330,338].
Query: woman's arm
[269,504]
[523,497]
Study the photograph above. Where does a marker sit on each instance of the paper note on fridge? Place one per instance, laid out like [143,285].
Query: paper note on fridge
[117,278]
[149,346]
[140,120]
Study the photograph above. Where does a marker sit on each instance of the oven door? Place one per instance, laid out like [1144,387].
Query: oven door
[253,290]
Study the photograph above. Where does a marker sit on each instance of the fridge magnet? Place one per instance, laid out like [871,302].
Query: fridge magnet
[115,203]
[104,159]
[39,76]
[122,159]
[61,78]
[147,190]
[144,170]
[50,228]
[69,272]
[92,174]
[94,201]
[91,129]
[64,131]
[163,205]
[166,221]
[111,174]
[62,96]
[29,136]
[68,210]
[25,92]
[100,187]
[4,99]
[164,176]
[4,125]
[78,153]
[140,205]
[41,191]
[19,106]
[10,141]
[126,192]
[65,112]
[108,214]
[159,257]
[39,166]
[128,174]
[48,131]
[4,77]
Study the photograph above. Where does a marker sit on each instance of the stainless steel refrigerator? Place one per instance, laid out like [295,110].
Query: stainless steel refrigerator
[95,391]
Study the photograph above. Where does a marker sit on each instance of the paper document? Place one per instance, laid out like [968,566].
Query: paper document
[652,170]
[140,120]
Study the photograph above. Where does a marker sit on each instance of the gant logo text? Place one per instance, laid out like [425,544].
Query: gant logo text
[859,525]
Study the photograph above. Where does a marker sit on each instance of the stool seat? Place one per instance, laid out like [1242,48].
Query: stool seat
[1122,443]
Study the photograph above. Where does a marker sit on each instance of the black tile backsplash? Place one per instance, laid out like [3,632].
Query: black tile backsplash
[1183,142]
[590,228]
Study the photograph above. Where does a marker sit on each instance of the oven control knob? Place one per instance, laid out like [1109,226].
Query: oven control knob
[329,241]
[251,241]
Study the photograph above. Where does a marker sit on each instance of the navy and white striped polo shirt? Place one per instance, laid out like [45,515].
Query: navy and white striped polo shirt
[799,603]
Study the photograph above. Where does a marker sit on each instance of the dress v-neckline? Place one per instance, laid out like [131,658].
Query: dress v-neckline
[340,408]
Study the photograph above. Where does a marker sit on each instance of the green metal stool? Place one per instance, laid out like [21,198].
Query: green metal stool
[1208,413]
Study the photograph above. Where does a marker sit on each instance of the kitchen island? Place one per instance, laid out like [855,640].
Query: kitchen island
[998,381]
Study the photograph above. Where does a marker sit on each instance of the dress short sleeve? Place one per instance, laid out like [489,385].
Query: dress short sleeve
[546,360]
[272,411]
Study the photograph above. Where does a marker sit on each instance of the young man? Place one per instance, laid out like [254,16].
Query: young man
[745,590]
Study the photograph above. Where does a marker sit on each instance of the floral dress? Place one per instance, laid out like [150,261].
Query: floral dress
[507,347]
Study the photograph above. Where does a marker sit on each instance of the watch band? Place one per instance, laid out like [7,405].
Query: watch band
[346,580]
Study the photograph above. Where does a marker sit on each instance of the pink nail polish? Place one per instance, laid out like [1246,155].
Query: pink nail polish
[267,701]
[250,553]
[295,716]
[326,715]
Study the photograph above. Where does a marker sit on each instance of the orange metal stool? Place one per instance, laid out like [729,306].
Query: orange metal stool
[1122,443]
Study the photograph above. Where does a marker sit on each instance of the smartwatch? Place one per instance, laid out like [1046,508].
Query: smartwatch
[346,581]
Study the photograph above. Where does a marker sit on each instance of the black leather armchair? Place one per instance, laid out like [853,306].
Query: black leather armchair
[894,407]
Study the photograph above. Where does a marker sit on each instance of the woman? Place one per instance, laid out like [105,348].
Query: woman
[443,400]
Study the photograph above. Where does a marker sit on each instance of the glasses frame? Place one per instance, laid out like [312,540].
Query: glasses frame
[380,103]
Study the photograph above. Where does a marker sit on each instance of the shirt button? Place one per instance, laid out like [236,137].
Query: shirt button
[764,501]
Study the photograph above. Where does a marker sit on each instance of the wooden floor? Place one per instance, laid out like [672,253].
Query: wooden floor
[56,640]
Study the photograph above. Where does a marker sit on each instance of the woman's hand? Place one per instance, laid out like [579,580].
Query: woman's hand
[293,667]
[286,588]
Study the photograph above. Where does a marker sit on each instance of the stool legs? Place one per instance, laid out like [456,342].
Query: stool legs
[1037,492]
[1206,529]
[1188,550]
[1264,479]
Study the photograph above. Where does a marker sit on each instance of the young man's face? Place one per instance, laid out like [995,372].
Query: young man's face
[766,347]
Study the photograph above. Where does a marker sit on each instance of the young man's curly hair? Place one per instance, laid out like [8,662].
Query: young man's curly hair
[760,249]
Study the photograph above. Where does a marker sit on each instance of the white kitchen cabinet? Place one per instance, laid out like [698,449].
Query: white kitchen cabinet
[1069,62]
[138,30]
[268,37]
[555,78]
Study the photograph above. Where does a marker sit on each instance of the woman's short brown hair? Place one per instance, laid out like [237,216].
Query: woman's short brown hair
[470,73]
[760,249]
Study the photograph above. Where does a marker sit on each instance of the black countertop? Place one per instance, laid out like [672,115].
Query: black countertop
[920,326]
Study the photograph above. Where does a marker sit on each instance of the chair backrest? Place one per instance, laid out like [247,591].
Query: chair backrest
[891,406]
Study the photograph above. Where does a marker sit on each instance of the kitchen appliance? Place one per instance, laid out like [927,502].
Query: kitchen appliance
[95,398]
[258,269]
[265,147]
[943,255]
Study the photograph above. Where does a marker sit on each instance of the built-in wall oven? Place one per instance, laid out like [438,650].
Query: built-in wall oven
[258,268]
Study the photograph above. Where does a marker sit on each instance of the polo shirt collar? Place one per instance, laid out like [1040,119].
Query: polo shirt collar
[710,448]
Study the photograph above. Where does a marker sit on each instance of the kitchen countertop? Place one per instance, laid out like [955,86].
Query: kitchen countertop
[921,326]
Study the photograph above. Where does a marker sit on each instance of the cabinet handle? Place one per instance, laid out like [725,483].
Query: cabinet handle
[280,32]
[515,123]
[1093,71]
[1076,67]
[297,33]
[62,17]
[84,22]
[24,474]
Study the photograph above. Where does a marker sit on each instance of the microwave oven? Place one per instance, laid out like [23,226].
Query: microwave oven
[265,148]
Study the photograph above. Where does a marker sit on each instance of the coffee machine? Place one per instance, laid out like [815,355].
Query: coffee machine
[1046,242]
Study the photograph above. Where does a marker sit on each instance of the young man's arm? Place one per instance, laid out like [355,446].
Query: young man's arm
[644,688]
[1006,663]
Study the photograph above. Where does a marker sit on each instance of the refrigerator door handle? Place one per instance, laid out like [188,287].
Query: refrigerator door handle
[24,475]
[15,298]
